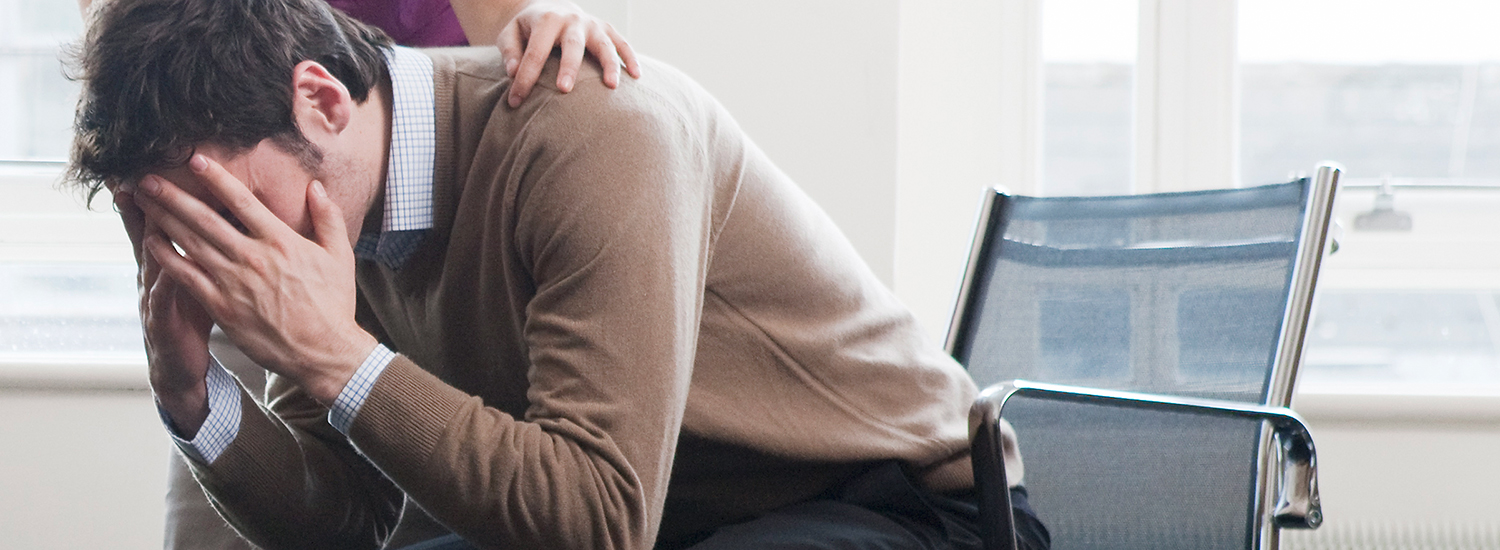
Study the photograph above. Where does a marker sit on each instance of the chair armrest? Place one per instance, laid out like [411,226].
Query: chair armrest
[1298,504]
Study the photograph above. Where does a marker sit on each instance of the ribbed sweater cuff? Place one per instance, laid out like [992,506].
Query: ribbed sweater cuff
[406,413]
[956,473]
[246,464]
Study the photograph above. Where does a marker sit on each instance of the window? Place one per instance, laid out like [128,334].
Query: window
[1407,96]
[1398,89]
[81,311]
[36,100]
[1408,303]
[1088,56]
[1166,95]
[66,272]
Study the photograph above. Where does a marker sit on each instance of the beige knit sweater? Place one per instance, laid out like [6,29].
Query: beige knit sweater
[626,323]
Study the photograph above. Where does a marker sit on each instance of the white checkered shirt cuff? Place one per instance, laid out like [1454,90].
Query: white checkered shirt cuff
[347,404]
[223,422]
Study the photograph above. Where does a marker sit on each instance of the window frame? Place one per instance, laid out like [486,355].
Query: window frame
[65,233]
[1188,49]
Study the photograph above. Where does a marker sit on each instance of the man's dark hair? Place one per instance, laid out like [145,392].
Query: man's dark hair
[162,76]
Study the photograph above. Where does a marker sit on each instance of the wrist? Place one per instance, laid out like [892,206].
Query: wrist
[186,408]
[342,364]
[179,385]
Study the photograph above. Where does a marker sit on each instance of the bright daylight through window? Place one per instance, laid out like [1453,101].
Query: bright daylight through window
[1088,56]
[67,290]
[1407,96]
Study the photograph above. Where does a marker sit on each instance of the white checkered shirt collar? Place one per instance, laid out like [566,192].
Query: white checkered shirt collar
[413,153]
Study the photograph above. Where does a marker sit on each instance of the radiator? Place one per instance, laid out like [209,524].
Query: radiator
[1355,535]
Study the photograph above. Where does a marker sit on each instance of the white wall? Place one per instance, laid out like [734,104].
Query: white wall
[1413,468]
[813,83]
[888,113]
[81,469]
[970,119]
[1417,463]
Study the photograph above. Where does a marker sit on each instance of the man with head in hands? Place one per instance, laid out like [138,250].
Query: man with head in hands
[595,320]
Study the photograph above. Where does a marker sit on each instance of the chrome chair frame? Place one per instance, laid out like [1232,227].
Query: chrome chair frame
[1298,505]
[1294,503]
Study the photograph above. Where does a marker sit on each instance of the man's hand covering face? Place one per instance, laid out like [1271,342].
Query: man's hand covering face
[286,300]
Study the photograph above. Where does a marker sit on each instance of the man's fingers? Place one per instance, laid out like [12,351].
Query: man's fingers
[510,46]
[150,269]
[537,49]
[159,198]
[236,197]
[146,274]
[174,230]
[572,57]
[328,220]
[198,229]
[163,294]
[132,217]
[627,54]
[184,272]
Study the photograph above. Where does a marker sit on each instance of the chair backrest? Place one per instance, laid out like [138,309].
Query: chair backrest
[1172,293]
[1201,294]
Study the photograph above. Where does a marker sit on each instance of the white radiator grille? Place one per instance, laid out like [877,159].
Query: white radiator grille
[1395,536]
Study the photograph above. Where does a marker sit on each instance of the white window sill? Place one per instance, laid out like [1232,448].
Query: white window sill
[73,374]
[1319,404]
[1388,404]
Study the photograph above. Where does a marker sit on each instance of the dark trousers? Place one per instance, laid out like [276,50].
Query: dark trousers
[882,509]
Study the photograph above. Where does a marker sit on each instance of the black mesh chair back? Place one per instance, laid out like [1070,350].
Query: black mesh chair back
[1178,294]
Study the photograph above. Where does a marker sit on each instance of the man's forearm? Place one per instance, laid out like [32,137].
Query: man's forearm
[287,300]
[285,478]
[187,408]
[219,429]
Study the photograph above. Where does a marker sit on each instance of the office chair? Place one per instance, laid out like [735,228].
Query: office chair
[1145,348]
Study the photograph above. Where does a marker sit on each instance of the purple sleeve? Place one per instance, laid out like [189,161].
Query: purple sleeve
[416,23]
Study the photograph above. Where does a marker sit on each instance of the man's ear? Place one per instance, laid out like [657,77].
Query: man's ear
[320,102]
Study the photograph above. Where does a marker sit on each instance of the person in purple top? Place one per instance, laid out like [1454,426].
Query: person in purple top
[415,23]
[526,31]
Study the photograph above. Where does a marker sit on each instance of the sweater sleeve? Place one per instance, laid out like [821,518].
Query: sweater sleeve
[612,220]
[289,480]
